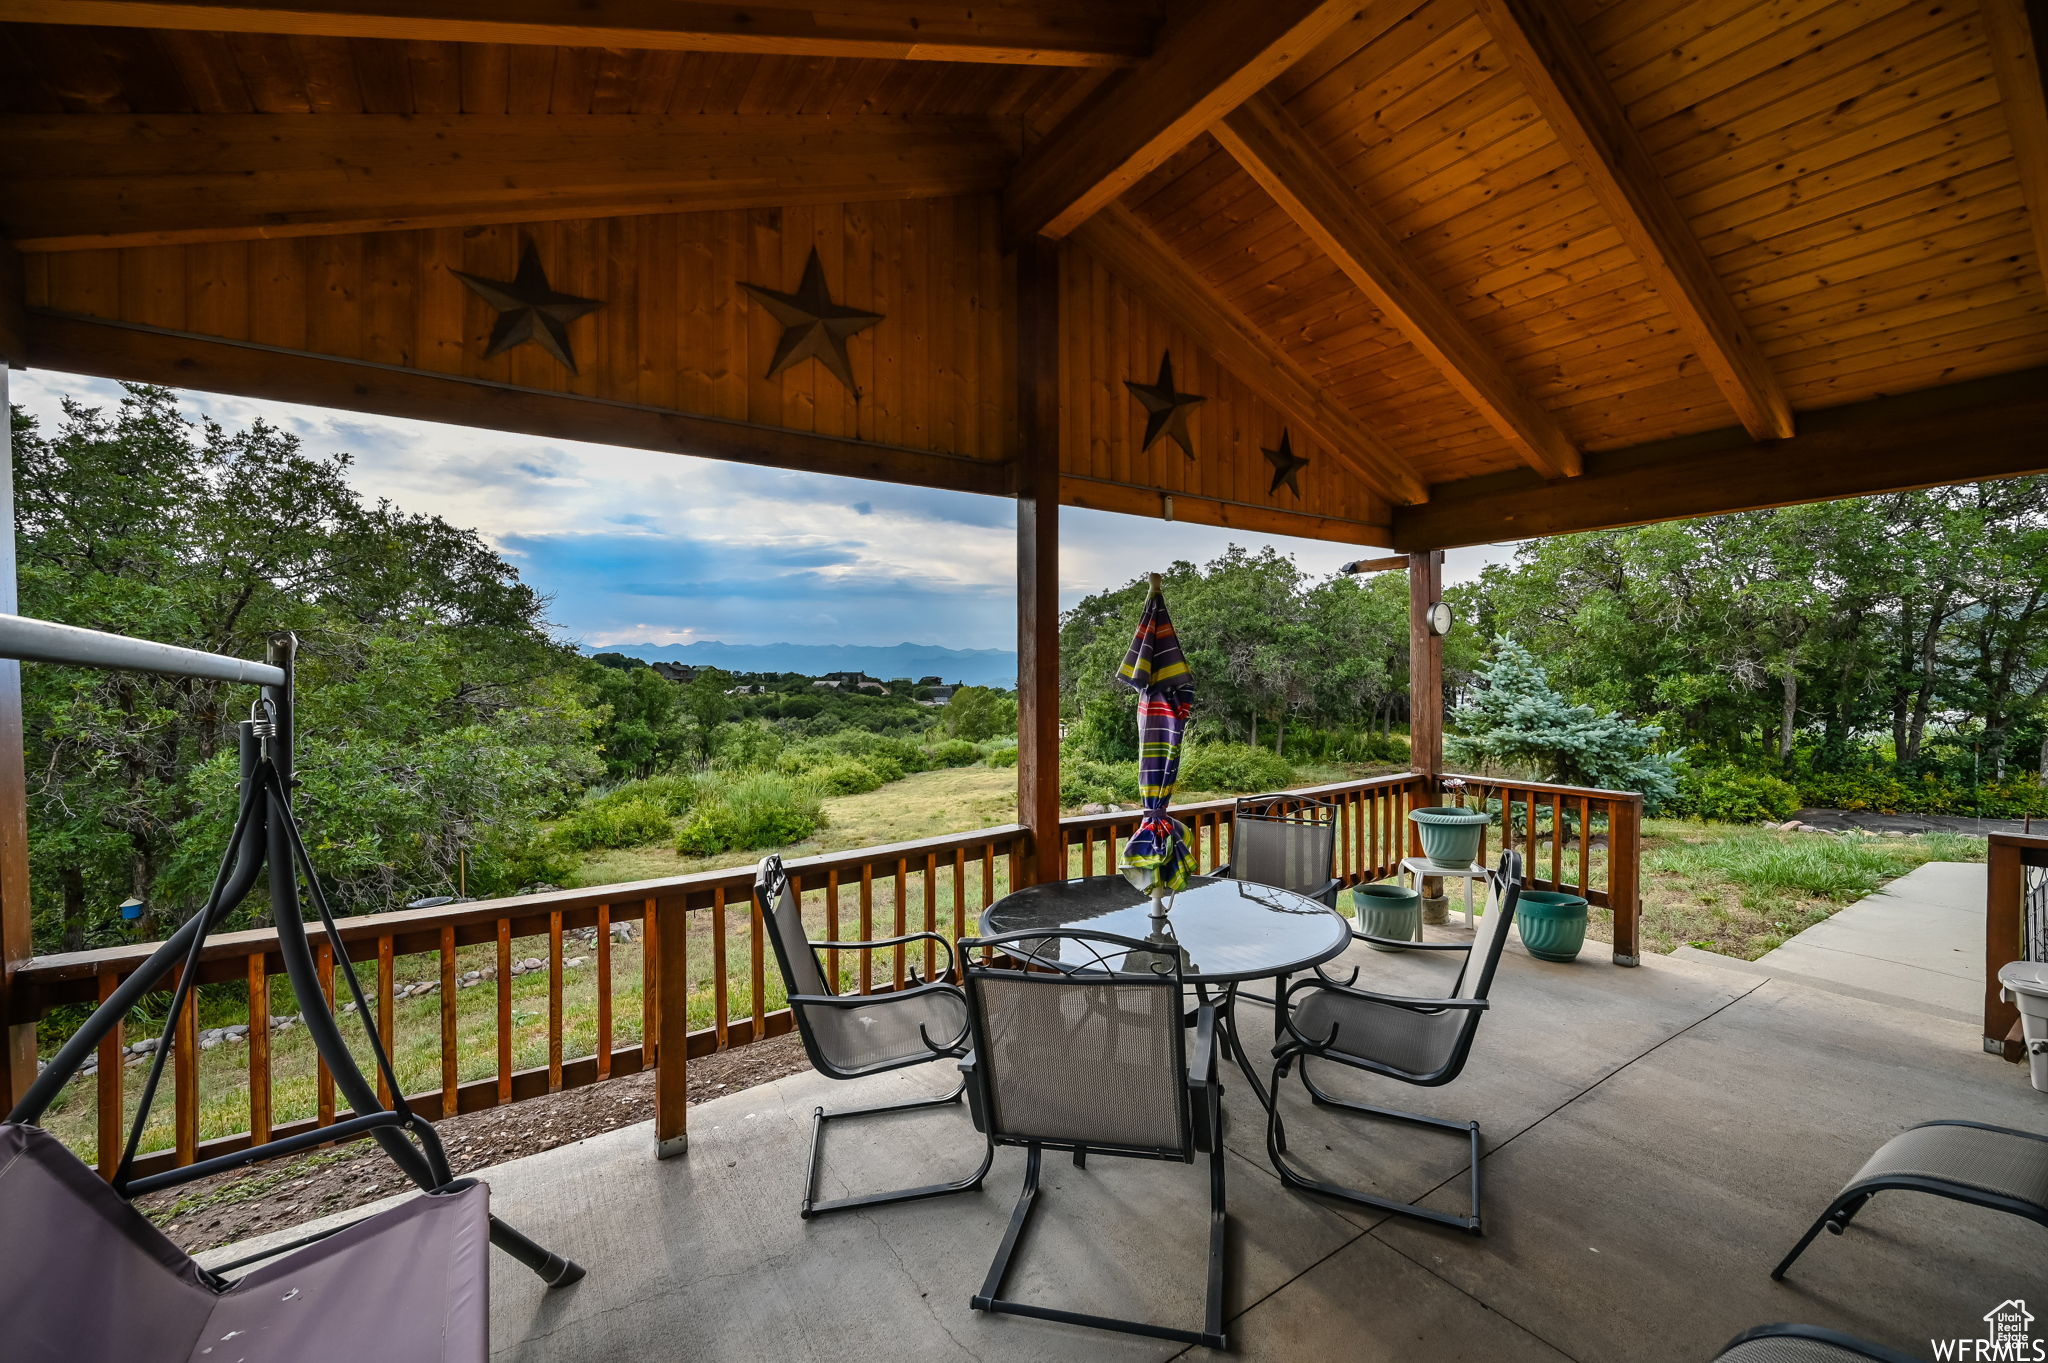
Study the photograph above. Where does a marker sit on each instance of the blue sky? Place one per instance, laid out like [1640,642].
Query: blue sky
[635,546]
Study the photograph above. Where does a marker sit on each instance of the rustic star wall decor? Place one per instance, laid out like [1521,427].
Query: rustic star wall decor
[1166,410]
[1286,464]
[530,310]
[813,326]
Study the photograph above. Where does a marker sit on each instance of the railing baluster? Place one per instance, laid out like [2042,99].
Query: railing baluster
[386,967]
[451,1066]
[1556,841]
[259,1048]
[931,911]
[902,918]
[602,945]
[323,966]
[504,1010]
[109,1100]
[1585,844]
[959,901]
[555,1001]
[757,980]
[185,1060]
[832,926]
[1087,853]
[650,1039]
[721,985]
[867,926]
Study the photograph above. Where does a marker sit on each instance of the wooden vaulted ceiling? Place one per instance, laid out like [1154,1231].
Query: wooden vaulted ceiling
[1495,267]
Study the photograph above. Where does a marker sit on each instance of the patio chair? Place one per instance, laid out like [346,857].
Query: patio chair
[1092,1057]
[861,1035]
[1802,1344]
[1983,1165]
[1420,1041]
[1287,841]
[84,1276]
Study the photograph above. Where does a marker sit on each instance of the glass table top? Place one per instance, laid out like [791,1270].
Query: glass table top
[1228,929]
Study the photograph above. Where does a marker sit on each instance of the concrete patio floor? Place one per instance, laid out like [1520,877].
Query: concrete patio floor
[1655,1139]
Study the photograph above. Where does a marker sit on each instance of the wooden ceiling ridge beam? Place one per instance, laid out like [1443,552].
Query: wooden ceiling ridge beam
[83,181]
[1563,77]
[1071,33]
[1211,57]
[1135,254]
[1275,151]
[2015,31]
[1965,432]
[13,309]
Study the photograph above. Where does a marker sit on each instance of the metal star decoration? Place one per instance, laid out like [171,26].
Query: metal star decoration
[1166,410]
[530,310]
[813,326]
[1286,464]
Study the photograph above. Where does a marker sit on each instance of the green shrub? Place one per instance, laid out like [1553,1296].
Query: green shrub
[1084,782]
[746,745]
[748,811]
[1893,790]
[844,776]
[1000,752]
[953,752]
[631,815]
[1722,794]
[1234,768]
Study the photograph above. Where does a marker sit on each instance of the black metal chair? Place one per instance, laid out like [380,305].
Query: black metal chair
[854,1036]
[1420,1041]
[1802,1344]
[1089,1054]
[1288,841]
[1983,1165]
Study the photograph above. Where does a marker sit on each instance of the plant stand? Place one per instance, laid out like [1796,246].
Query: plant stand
[1418,867]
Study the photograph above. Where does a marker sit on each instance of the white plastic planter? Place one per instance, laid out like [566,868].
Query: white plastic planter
[2025,985]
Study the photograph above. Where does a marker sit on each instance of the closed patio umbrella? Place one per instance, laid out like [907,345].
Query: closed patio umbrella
[1155,859]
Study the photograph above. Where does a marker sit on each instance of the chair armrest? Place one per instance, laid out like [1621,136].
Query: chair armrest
[1202,1059]
[1327,894]
[1358,936]
[1285,1009]
[1222,871]
[878,943]
[970,1079]
[873,1000]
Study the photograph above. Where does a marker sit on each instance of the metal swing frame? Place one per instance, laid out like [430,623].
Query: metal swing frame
[265,838]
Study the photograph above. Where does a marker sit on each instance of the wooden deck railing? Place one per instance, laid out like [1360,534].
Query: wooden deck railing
[674,969]
[2015,927]
[1584,841]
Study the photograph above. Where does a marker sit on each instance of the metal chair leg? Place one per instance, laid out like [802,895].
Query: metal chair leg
[819,1117]
[1835,1219]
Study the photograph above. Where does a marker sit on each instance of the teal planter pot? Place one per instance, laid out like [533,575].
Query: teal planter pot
[1450,834]
[1553,924]
[1388,911]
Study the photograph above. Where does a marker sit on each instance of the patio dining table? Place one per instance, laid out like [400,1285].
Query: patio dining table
[1229,933]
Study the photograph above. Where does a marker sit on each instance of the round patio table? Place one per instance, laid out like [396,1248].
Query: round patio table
[1228,931]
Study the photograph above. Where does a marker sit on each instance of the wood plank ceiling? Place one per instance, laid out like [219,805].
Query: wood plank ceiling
[1434,241]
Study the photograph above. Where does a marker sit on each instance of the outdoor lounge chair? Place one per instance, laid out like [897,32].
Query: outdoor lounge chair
[1802,1344]
[85,1277]
[1985,1166]
[863,1034]
[1421,1041]
[1092,1056]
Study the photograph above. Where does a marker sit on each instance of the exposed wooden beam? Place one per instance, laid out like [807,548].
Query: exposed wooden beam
[1563,78]
[1273,149]
[17,1035]
[13,317]
[179,360]
[1211,57]
[1038,560]
[1986,428]
[1136,255]
[1394,563]
[77,181]
[1097,494]
[2018,56]
[1020,32]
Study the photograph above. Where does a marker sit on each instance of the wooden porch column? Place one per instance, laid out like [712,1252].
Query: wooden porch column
[17,1040]
[1038,559]
[1425,666]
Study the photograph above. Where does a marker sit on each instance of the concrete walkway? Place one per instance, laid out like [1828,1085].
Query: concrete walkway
[1918,941]
[1655,1138]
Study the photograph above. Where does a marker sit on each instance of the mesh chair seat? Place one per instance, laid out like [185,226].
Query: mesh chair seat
[1803,1344]
[1986,1166]
[84,1275]
[1083,1061]
[1382,1034]
[866,1038]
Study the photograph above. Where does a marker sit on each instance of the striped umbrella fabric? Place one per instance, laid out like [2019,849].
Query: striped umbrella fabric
[1156,857]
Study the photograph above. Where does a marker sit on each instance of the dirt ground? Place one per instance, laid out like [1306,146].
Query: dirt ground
[231,1207]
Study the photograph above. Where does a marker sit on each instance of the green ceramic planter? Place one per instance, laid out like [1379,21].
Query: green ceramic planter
[1553,925]
[1388,911]
[1450,834]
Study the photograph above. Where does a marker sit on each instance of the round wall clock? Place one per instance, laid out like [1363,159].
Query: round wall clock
[1439,619]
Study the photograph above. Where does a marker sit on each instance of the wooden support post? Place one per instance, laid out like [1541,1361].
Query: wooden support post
[1425,667]
[667,934]
[1038,558]
[2005,934]
[1624,875]
[17,1039]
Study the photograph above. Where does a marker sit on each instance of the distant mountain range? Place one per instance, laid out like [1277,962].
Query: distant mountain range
[974,666]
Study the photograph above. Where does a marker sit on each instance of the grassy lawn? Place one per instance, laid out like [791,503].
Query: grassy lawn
[1738,891]
[1742,891]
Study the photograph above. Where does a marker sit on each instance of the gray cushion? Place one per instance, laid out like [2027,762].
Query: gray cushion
[1998,1162]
